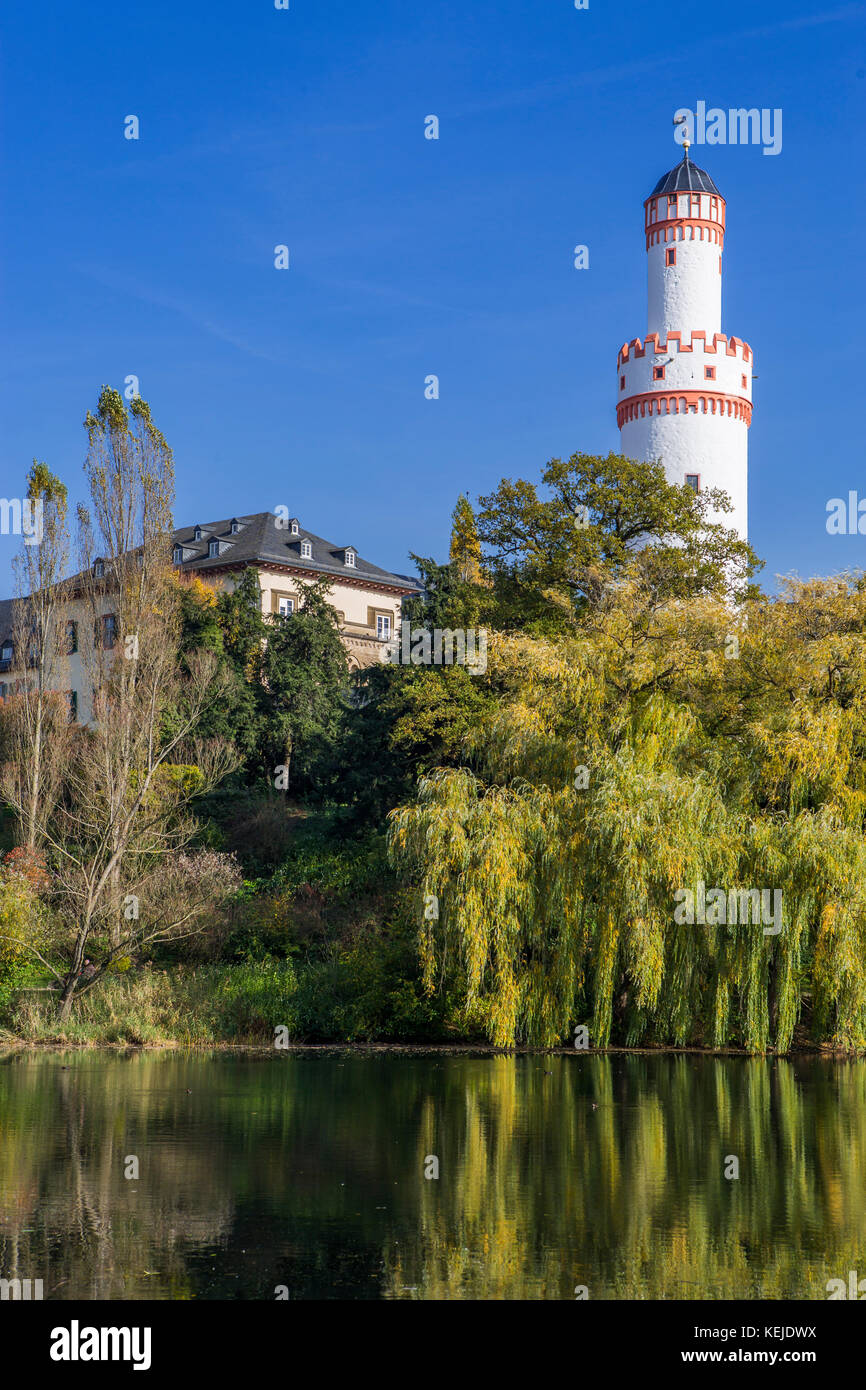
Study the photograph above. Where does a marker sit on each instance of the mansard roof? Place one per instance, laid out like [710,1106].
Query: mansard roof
[263,539]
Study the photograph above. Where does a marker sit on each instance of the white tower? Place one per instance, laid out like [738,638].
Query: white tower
[685,393]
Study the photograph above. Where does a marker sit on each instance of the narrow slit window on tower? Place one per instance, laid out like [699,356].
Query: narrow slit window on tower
[710,373]
[671,255]
[743,381]
[622,383]
[714,208]
[672,205]
[693,480]
[694,204]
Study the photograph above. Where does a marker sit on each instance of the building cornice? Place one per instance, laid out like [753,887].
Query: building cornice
[669,403]
[352,581]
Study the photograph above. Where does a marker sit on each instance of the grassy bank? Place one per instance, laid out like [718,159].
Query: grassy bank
[200,1004]
[345,999]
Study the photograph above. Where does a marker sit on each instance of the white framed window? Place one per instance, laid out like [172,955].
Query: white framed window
[293,526]
[236,526]
[286,607]
[197,534]
[383,626]
[350,558]
[213,548]
[306,550]
[693,480]
[99,569]
[178,555]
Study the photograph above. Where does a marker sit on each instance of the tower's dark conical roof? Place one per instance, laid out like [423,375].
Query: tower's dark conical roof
[685,177]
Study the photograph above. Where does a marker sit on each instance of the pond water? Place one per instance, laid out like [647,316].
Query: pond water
[306,1171]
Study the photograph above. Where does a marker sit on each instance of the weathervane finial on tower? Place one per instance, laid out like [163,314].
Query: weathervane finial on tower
[681,120]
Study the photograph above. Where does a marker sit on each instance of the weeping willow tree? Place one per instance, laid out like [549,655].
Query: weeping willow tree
[666,754]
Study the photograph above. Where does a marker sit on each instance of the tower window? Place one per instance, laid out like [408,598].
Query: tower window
[693,480]
[710,373]
[671,255]
[654,209]
[659,373]
[622,383]
[743,381]
[714,208]
[720,264]
[694,205]
[672,205]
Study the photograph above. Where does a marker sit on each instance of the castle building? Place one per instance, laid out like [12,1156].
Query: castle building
[366,598]
[684,392]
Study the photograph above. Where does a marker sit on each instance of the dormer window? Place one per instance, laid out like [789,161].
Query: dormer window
[177,555]
[213,548]
[99,569]
[349,558]
[293,526]
[196,535]
[236,526]
[306,550]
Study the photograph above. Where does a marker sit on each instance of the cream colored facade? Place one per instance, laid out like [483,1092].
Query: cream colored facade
[368,601]
[368,615]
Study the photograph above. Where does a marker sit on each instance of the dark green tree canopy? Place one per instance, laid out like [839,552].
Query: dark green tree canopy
[602,515]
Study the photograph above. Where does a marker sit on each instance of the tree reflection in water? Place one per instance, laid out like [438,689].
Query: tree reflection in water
[308,1170]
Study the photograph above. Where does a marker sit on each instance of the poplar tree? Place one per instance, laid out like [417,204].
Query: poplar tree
[40,713]
[465,552]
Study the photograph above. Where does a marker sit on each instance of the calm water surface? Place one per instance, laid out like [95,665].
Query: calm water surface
[307,1170]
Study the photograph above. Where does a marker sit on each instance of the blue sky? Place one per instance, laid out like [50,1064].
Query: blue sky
[411,256]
